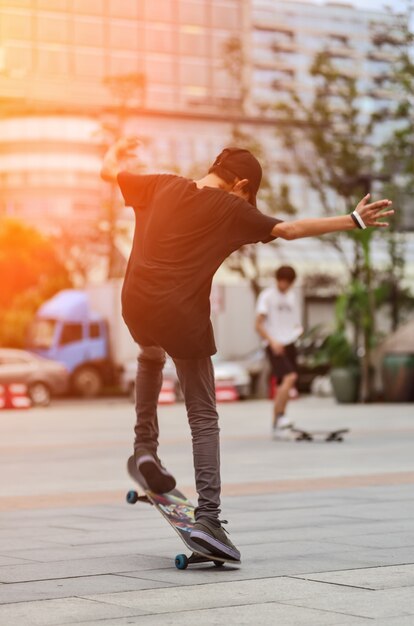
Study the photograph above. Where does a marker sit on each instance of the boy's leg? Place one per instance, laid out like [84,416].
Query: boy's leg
[196,377]
[148,384]
[282,396]
[197,382]
[284,370]
[147,389]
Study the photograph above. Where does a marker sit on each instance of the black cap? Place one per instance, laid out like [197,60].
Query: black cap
[242,164]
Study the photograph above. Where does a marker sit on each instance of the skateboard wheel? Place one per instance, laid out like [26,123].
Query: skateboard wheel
[132,497]
[218,563]
[181,561]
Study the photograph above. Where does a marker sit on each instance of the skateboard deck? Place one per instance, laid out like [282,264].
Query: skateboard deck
[324,435]
[179,513]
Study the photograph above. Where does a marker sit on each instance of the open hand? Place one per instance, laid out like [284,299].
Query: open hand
[371,213]
[126,146]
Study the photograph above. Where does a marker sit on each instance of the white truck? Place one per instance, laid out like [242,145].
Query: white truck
[84,330]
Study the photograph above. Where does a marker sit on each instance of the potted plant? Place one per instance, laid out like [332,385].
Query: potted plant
[345,372]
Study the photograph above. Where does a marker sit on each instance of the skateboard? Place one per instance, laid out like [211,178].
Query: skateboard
[324,435]
[179,513]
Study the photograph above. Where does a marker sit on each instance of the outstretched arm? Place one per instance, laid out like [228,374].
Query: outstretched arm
[368,213]
[111,165]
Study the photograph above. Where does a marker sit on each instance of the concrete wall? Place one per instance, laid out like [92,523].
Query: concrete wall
[233,320]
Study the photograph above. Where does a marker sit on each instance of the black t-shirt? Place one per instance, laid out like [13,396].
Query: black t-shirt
[182,236]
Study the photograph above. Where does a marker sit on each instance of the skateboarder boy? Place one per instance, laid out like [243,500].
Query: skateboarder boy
[184,231]
[278,323]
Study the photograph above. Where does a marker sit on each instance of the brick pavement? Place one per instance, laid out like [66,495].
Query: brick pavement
[325,530]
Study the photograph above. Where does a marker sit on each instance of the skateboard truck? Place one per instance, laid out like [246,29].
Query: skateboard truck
[132,497]
[182,561]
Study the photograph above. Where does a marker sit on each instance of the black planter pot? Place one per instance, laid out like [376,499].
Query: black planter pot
[345,383]
[398,377]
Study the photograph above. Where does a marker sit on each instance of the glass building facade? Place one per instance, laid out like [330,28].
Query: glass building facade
[286,37]
[71,69]
[65,49]
[75,73]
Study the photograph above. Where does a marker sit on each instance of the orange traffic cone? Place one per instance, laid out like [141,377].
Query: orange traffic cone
[167,393]
[14,396]
[272,388]
[226,391]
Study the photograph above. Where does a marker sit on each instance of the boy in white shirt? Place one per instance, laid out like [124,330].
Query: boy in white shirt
[278,323]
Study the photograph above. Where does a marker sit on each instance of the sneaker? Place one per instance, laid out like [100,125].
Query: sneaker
[214,538]
[283,432]
[284,422]
[158,479]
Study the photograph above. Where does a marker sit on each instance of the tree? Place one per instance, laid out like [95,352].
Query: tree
[246,261]
[31,272]
[398,150]
[83,251]
[234,63]
[332,142]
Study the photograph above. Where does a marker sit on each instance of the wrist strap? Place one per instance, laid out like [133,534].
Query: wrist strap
[359,222]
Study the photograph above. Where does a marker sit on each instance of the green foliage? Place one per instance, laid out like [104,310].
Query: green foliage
[31,272]
[399,156]
[333,142]
[245,261]
[328,139]
[234,63]
[336,351]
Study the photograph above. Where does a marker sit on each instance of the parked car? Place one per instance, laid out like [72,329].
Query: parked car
[232,373]
[225,372]
[129,371]
[44,378]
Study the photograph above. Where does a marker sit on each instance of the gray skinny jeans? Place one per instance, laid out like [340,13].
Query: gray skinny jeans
[196,377]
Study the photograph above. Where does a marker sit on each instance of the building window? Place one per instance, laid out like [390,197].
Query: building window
[160,97]
[126,35]
[193,73]
[89,63]
[16,26]
[18,60]
[221,79]
[193,42]
[124,63]
[88,32]
[127,8]
[160,69]
[22,3]
[53,60]
[52,5]
[90,7]
[160,38]
[160,11]
[52,29]
[226,15]
[193,12]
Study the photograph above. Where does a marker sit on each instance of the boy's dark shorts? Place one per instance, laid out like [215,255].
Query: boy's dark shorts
[283,364]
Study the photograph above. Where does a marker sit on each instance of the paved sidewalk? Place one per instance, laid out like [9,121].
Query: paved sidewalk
[326,531]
